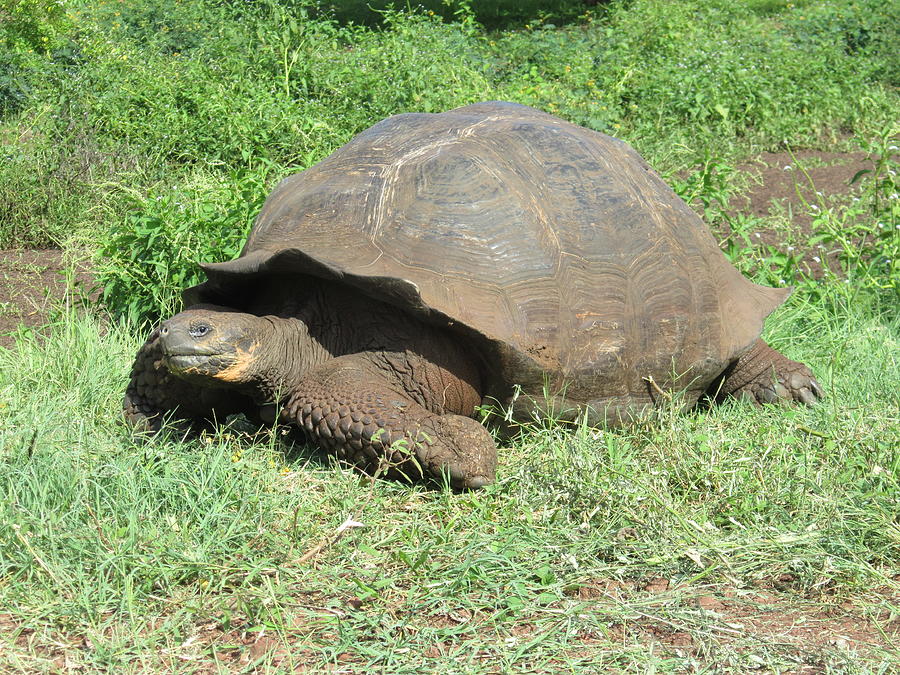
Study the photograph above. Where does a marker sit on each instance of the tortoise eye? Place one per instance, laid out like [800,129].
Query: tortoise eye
[198,331]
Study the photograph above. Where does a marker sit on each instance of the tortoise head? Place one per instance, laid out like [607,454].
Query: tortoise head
[218,347]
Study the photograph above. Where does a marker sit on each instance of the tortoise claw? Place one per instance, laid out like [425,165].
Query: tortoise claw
[803,386]
[768,376]
[806,396]
[766,395]
[816,388]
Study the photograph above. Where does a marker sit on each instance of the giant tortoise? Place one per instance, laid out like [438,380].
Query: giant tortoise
[492,253]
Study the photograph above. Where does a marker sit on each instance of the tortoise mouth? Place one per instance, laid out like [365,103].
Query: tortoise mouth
[177,358]
[192,353]
[197,363]
[180,353]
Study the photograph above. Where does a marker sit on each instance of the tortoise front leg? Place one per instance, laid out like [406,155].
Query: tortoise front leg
[153,393]
[767,376]
[349,408]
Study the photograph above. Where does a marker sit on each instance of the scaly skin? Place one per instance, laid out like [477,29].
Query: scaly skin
[766,376]
[348,407]
[402,411]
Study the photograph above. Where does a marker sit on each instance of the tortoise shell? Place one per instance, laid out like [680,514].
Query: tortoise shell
[576,272]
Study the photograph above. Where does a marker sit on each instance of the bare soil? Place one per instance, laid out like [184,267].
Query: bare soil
[33,285]
[786,180]
[795,186]
[697,625]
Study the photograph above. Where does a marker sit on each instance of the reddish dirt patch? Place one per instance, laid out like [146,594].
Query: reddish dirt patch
[696,624]
[797,185]
[34,283]
[790,180]
[687,622]
[804,629]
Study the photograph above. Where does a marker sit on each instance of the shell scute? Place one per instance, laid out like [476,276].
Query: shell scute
[557,249]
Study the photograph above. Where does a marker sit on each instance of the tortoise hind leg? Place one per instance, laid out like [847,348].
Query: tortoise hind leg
[767,376]
[154,394]
[349,408]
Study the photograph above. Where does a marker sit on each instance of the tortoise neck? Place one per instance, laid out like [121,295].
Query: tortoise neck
[290,352]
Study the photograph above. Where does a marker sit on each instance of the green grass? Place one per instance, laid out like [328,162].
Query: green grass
[142,548]
[152,130]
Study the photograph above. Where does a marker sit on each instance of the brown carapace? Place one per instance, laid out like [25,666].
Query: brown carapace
[493,253]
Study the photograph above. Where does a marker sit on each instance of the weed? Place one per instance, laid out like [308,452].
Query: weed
[868,236]
[154,130]
[152,255]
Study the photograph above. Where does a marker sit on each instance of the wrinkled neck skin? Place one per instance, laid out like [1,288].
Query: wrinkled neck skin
[287,352]
[303,323]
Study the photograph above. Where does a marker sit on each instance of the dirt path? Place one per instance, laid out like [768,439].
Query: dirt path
[33,285]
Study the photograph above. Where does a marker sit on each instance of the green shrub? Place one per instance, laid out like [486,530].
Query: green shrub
[709,74]
[32,25]
[56,184]
[152,254]
[13,83]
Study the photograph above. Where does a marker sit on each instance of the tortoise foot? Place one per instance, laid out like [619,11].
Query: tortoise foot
[460,449]
[764,375]
[348,408]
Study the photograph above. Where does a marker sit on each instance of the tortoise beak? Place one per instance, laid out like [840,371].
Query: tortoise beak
[189,352]
[177,340]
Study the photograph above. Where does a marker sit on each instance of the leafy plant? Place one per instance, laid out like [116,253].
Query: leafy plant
[867,234]
[711,186]
[32,25]
[152,254]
